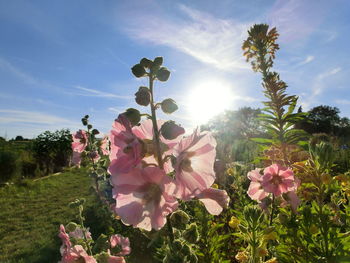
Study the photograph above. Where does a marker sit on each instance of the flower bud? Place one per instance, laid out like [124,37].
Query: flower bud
[170,130]
[133,116]
[163,74]
[71,226]
[95,132]
[89,126]
[179,219]
[191,233]
[138,71]
[158,61]
[84,121]
[169,106]
[143,96]
[146,63]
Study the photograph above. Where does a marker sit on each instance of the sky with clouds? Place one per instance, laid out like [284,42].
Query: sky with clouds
[60,60]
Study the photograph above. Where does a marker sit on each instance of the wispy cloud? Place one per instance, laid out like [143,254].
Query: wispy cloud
[307,60]
[19,116]
[8,67]
[208,39]
[97,93]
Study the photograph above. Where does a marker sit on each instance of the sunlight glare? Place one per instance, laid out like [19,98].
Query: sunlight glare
[207,99]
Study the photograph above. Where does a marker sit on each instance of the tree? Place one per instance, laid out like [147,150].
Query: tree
[19,138]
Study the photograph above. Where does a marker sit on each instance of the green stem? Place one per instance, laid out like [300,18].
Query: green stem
[272,209]
[84,229]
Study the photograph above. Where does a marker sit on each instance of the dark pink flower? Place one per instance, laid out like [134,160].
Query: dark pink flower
[255,190]
[195,157]
[80,141]
[144,197]
[214,200]
[278,180]
[126,150]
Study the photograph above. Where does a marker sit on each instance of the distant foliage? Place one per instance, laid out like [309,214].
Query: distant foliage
[52,150]
[8,165]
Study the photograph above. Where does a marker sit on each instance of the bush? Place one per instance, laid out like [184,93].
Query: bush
[8,166]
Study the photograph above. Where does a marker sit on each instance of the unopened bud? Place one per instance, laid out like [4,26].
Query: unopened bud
[179,219]
[143,96]
[146,63]
[71,226]
[163,74]
[191,233]
[95,132]
[170,130]
[169,106]
[138,71]
[84,121]
[133,116]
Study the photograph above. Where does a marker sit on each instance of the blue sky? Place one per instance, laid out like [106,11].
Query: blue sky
[60,60]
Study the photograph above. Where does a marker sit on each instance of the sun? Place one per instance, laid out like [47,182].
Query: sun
[207,99]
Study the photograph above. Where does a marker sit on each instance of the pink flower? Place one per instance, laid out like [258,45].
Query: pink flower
[66,244]
[80,140]
[77,254]
[94,156]
[145,132]
[255,190]
[144,197]
[125,147]
[195,157]
[292,198]
[214,200]
[76,159]
[278,180]
[116,259]
[105,145]
[122,242]
[79,234]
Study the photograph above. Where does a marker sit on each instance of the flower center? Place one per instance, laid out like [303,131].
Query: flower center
[153,193]
[276,179]
[185,161]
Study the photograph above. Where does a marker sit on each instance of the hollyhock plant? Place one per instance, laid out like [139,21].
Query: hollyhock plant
[144,197]
[123,243]
[194,166]
[77,254]
[278,180]
[125,147]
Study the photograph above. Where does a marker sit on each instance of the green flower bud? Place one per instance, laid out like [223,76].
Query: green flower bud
[170,130]
[133,116]
[158,61]
[86,116]
[71,226]
[84,121]
[168,106]
[95,132]
[138,71]
[163,74]
[146,63]
[191,233]
[143,96]
[89,126]
[179,219]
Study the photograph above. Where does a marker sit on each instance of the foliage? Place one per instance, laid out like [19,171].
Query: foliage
[52,150]
[8,166]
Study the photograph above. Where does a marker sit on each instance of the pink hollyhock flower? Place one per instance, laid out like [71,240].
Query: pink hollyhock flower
[214,200]
[145,132]
[77,254]
[255,190]
[292,198]
[105,145]
[66,244]
[80,140]
[115,259]
[122,242]
[79,234]
[278,180]
[144,197]
[125,147]
[94,156]
[76,159]
[195,157]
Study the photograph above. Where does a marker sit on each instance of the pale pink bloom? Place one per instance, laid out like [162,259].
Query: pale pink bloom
[80,141]
[144,197]
[145,132]
[76,159]
[255,190]
[105,145]
[214,200]
[278,180]
[79,234]
[292,198]
[195,157]
[77,254]
[66,244]
[122,242]
[126,150]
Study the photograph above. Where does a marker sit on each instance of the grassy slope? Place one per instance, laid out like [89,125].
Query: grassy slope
[30,216]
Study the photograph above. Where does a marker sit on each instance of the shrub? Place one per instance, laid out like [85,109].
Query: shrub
[8,166]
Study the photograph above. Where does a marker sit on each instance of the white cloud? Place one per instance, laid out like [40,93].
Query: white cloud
[98,93]
[209,39]
[307,60]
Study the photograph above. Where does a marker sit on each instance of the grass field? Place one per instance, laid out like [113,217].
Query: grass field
[30,215]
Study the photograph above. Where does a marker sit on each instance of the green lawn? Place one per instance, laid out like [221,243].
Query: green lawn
[30,216]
